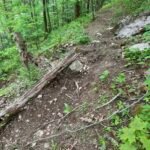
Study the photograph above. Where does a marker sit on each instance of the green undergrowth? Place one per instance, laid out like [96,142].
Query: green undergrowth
[11,66]
[136,56]
[71,33]
[130,7]
[131,127]
[135,135]
[124,8]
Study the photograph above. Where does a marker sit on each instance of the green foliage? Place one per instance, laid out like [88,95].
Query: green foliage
[101,143]
[67,108]
[135,56]
[9,61]
[121,78]
[70,33]
[146,35]
[32,75]
[124,7]
[104,75]
[103,99]
[54,145]
[147,83]
[136,135]
[24,80]
[115,120]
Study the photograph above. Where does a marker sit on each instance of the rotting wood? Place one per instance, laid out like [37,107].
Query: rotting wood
[26,57]
[19,103]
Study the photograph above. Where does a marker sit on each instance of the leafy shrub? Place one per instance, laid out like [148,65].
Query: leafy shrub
[104,75]
[67,108]
[31,75]
[9,61]
[135,56]
[136,135]
[70,33]
[83,39]
[125,7]
[121,78]
[146,35]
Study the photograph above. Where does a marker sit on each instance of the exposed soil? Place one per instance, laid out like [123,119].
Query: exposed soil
[40,117]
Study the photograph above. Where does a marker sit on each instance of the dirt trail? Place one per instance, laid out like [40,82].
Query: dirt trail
[39,119]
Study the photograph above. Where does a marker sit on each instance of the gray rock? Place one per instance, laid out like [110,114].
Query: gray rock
[76,66]
[40,96]
[140,46]
[134,28]
[46,145]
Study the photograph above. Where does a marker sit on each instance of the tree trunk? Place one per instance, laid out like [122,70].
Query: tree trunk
[77,9]
[88,6]
[44,17]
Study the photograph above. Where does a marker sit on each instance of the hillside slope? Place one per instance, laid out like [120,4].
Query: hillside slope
[43,124]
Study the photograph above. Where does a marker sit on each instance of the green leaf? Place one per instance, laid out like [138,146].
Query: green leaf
[104,75]
[67,108]
[128,135]
[146,142]
[121,78]
[138,124]
[127,146]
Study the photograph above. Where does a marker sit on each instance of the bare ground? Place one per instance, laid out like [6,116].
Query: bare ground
[41,125]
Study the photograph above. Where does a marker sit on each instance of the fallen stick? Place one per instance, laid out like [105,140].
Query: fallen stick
[19,103]
[113,99]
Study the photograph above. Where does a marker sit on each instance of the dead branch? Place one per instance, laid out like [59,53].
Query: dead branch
[113,99]
[19,103]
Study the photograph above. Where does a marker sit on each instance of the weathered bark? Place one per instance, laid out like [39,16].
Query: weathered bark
[19,103]
[26,57]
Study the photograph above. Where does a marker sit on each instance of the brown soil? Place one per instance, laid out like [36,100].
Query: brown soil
[40,117]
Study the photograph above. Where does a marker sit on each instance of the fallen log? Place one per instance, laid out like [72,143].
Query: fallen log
[19,103]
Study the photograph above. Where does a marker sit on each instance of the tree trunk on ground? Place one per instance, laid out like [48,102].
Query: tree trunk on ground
[17,106]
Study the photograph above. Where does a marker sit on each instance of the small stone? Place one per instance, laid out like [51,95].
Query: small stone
[17,131]
[48,132]
[76,66]
[110,28]
[50,102]
[39,115]
[20,117]
[39,133]
[98,34]
[40,96]
[33,144]
[55,99]
[27,120]
[60,115]
[140,46]
[46,145]
[95,42]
